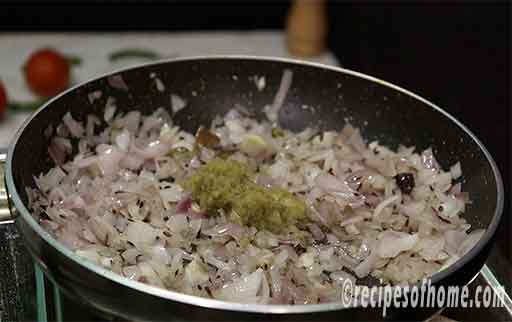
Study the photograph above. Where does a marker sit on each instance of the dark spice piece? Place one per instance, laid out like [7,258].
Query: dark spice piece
[405,181]
[207,138]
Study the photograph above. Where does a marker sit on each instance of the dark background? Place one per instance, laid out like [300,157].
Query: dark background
[456,54]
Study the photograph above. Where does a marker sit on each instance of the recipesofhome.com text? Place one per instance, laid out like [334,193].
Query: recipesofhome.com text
[425,295]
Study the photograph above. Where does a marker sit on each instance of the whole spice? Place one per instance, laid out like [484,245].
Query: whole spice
[405,181]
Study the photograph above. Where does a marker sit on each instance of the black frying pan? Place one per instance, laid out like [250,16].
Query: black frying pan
[213,85]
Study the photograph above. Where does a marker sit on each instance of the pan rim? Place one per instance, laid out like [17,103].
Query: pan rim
[222,305]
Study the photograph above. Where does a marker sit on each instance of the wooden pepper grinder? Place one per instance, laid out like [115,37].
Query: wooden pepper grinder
[306,28]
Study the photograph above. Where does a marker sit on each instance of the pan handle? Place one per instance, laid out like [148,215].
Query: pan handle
[6,215]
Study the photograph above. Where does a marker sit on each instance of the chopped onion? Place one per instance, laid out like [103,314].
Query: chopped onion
[428,160]
[456,171]
[93,96]
[59,149]
[132,161]
[119,201]
[92,121]
[132,120]
[75,128]
[391,243]
[108,160]
[243,290]
[339,277]
[171,194]
[117,81]
[110,109]
[140,234]
[272,111]
[50,180]
[177,103]
[152,150]
[339,189]
[260,82]
[366,266]
[123,140]
[384,204]
[159,85]
[318,234]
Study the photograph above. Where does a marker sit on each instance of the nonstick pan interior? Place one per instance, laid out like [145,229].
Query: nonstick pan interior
[319,96]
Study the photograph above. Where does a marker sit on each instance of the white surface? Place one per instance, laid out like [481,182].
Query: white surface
[94,48]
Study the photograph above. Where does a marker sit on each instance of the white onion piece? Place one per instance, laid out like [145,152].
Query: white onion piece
[430,247]
[170,194]
[62,130]
[152,150]
[132,121]
[159,85]
[103,231]
[385,204]
[92,121]
[56,154]
[178,224]
[110,110]
[272,111]
[149,123]
[93,96]
[339,277]
[366,266]
[243,290]
[449,207]
[260,82]
[177,103]
[108,160]
[75,128]
[413,209]
[132,161]
[456,189]
[74,202]
[123,140]
[117,81]
[352,220]
[264,290]
[391,243]
[266,239]
[453,240]
[50,180]
[230,229]
[356,140]
[456,171]
[339,189]
[140,234]
[196,273]
[428,160]
[90,253]
[158,254]
[149,274]
[317,233]
[59,149]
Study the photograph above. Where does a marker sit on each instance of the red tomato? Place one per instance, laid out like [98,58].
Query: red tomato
[3,100]
[47,72]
